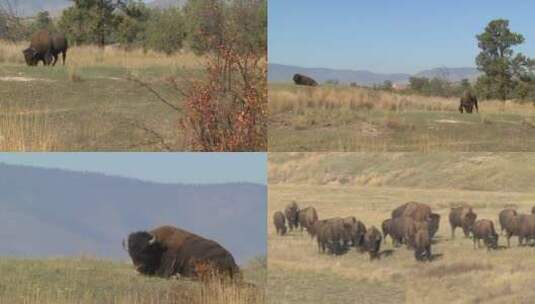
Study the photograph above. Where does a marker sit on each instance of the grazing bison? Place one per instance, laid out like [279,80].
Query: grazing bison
[414,210]
[333,235]
[468,102]
[40,49]
[280,223]
[304,80]
[523,226]
[484,229]
[59,45]
[422,244]
[372,242]
[386,226]
[167,251]
[462,217]
[504,218]
[291,212]
[356,230]
[306,218]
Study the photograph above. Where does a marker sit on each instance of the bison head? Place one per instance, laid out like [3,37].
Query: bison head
[30,55]
[146,252]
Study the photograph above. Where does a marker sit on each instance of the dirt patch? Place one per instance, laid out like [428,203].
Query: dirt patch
[23,79]
[451,121]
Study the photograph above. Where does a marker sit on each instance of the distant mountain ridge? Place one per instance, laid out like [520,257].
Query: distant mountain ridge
[52,212]
[284,73]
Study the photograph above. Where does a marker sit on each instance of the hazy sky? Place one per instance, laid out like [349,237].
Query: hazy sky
[388,35]
[158,167]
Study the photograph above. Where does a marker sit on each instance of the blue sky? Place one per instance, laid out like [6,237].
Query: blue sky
[387,35]
[158,167]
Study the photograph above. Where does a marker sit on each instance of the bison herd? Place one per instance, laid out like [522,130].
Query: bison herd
[412,224]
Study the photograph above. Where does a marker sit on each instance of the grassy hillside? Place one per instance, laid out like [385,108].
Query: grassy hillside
[89,105]
[511,172]
[458,274]
[359,119]
[86,280]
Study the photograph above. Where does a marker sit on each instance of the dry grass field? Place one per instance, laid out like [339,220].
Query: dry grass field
[88,281]
[360,119]
[369,186]
[89,105]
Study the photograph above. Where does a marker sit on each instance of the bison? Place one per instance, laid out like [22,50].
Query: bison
[356,230]
[280,223]
[462,217]
[523,226]
[372,242]
[304,80]
[291,213]
[414,210]
[306,218]
[484,229]
[504,218]
[59,45]
[40,49]
[422,244]
[333,235]
[467,102]
[167,251]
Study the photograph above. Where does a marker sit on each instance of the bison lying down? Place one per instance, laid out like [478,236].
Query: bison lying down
[167,251]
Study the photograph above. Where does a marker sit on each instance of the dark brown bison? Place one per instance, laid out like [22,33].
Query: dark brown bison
[59,45]
[40,49]
[422,244]
[372,242]
[523,226]
[504,218]
[463,217]
[167,251]
[291,212]
[356,230]
[416,211]
[399,229]
[333,235]
[304,80]
[386,226]
[280,223]
[484,229]
[306,218]
[468,102]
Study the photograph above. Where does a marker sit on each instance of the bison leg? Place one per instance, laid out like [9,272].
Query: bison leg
[64,56]
[461,108]
[453,229]
[55,60]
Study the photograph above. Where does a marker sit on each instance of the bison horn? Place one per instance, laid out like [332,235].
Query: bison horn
[151,241]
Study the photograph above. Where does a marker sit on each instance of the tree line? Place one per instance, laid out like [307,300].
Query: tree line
[200,25]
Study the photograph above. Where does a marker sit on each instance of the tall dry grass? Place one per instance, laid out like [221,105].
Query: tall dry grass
[292,99]
[23,130]
[92,281]
[93,56]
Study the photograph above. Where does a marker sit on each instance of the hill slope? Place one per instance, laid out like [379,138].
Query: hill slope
[48,212]
[511,172]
